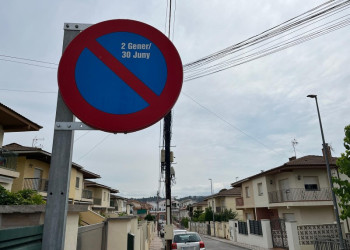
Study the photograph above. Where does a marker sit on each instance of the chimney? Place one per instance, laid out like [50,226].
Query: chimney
[329,154]
[292,158]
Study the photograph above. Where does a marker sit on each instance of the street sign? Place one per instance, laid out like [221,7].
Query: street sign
[120,76]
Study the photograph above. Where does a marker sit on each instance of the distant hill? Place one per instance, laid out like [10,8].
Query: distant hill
[154,198]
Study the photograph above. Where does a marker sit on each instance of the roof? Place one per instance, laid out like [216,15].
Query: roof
[232,192]
[88,183]
[42,155]
[12,121]
[200,204]
[114,196]
[306,162]
[139,205]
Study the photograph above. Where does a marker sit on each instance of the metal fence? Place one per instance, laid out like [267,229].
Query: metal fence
[330,244]
[242,227]
[255,227]
[97,201]
[38,184]
[300,194]
[8,159]
[21,238]
[87,194]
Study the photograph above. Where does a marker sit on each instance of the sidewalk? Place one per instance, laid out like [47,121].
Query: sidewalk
[157,243]
[237,244]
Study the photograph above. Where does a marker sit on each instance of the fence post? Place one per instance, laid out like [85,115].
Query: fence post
[292,235]
[233,230]
[266,230]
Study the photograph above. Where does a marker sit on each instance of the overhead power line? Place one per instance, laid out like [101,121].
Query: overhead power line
[276,39]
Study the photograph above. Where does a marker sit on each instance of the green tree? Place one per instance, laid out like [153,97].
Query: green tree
[208,214]
[342,190]
[196,215]
[150,217]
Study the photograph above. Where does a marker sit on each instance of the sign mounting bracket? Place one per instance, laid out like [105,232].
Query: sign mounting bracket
[72,126]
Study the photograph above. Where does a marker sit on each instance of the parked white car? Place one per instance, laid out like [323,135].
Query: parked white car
[187,240]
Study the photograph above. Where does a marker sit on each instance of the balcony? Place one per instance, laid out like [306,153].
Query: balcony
[300,194]
[239,202]
[38,184]
[97,201]
[8,160]
[87,194]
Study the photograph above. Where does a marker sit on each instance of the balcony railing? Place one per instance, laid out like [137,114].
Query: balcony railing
[300,194]
[37,184]
[97,201]
[87,194]
[239,201]
[8,159]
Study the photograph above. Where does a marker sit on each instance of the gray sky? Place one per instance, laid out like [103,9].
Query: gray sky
[227,125]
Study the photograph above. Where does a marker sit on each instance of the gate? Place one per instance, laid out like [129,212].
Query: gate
[208,230]
[21,238]
[279,234]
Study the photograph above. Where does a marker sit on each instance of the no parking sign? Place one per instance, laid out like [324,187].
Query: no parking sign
[120,76]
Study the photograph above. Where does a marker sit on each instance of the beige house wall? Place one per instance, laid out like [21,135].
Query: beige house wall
[248,213]
[248,201]
[118,228]
[260,200]
[309,215]
[26,167]
[74,192]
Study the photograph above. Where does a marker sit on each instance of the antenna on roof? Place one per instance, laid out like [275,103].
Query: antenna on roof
[294,143]
[35,141]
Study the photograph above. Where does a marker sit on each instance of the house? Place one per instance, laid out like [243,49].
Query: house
[11,121]
[33,165]
[119,203]
[298,190]
[225,199]
[141,209]
[199,206]
[101,195]
[185,203]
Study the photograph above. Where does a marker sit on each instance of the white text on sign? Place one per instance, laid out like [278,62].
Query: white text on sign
[136,53]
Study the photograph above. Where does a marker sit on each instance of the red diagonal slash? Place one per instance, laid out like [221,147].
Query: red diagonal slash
[123,72]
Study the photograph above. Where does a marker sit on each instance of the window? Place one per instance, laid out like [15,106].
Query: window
[311,183]
[77,182]
[260,189]
[247,194]
[104,196]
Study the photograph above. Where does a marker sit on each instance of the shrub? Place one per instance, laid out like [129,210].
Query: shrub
[23,197]
[184,222]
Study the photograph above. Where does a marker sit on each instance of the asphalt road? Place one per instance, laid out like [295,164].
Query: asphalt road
[218,245]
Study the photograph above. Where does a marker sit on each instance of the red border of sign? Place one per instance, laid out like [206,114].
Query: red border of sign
[111,122]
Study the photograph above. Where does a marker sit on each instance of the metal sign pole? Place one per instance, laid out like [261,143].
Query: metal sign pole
[60,169]
[167,139]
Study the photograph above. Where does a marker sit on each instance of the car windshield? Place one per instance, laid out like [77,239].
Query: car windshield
[187,237]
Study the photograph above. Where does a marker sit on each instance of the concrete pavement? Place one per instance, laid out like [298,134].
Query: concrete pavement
[156,243]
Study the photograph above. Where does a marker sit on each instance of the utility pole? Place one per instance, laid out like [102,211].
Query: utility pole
[211,189]
[167,140]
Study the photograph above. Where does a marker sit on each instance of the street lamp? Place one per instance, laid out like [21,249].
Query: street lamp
[325,150]
[211,190]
